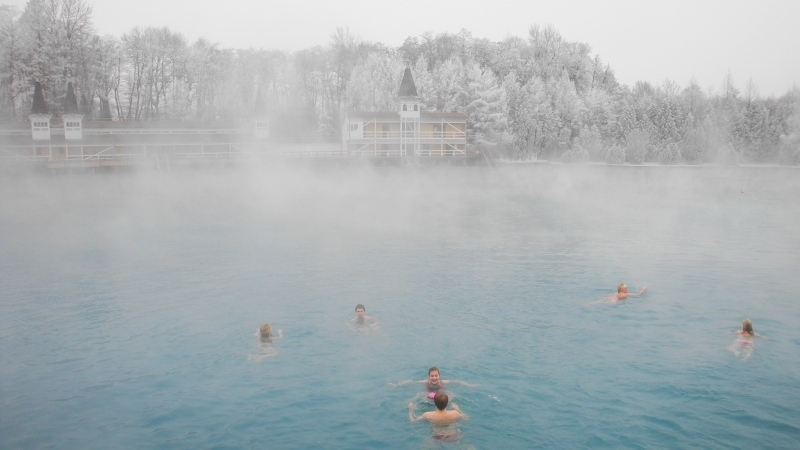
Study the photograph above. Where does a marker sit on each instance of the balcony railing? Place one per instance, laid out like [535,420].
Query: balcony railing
[377,153]
[411,134]
[448,152]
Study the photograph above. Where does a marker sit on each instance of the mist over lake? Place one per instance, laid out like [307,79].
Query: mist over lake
[129,302]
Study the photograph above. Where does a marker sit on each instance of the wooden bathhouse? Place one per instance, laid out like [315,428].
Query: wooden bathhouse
[408,133]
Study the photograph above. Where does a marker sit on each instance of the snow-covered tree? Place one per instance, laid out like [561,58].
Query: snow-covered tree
[374,81]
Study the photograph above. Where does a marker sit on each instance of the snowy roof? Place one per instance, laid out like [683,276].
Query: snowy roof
[407,88]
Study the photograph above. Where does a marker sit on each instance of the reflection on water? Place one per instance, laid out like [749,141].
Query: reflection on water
[128,304]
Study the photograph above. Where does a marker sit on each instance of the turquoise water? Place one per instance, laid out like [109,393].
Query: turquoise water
[128,304]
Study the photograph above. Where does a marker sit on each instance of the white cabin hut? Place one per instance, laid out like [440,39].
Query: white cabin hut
[73,121]
[39,117]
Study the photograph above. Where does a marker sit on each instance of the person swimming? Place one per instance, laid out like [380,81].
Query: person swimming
[265,338]
[361,321]
[434,383]
[265,333]
[442,420]
[744,343]
[622,293]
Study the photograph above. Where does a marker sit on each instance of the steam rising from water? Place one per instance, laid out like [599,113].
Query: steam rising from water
[487,263]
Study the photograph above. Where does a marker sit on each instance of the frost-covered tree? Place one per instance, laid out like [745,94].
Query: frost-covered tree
[485,103]
[12,75]
[566,103]
[531,121]
[589,140]
[374,82]
[637,142]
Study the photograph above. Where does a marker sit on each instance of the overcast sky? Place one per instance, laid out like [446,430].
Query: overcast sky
[648,41]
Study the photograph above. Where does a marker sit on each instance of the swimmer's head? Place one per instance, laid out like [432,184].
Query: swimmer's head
[747,326]
[360,310]
[266,330]
[622,288]
[433,375]
[440,400]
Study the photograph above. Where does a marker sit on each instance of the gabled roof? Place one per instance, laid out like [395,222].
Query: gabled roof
[407,88]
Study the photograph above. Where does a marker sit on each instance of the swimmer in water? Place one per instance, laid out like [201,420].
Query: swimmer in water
[265,333]
[265,338]
[362,321]
[434,383]
[443,421]
[744,343]
[622,293]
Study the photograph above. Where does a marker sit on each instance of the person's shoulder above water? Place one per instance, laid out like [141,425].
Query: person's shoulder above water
[622,293]
[441,414]
[434,382]
[747,330]
[362,319]
[266,334]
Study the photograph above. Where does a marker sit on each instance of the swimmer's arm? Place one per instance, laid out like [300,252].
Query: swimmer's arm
[406,383]
[461,414]
[280,335]
[411,416]
[638,293]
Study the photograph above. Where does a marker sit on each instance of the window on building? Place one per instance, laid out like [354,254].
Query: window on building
[405,107]
[353,126]
[416,107]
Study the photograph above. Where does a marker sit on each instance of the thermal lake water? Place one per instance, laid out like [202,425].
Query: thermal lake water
[129,302]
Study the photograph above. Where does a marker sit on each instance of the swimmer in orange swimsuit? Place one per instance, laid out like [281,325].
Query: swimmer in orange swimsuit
[443,421]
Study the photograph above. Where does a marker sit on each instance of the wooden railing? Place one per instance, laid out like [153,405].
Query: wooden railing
[411,134]
[89,152]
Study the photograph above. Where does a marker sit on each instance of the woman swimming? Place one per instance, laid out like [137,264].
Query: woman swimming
[265,333]
[264,348]
[744,343]
[434,384]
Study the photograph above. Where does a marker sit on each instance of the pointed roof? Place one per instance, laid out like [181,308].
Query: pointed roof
[259,109]
[70,102]
[407,88]
[39,105]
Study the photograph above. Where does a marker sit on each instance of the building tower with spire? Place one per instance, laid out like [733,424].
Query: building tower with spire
[73,119]
[409,110]
[39,117]
[407,134]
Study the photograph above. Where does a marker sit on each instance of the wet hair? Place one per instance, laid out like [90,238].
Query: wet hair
[433,369]
[266,330]
[621,287]
[747,326]
[440,400]
[360,306]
